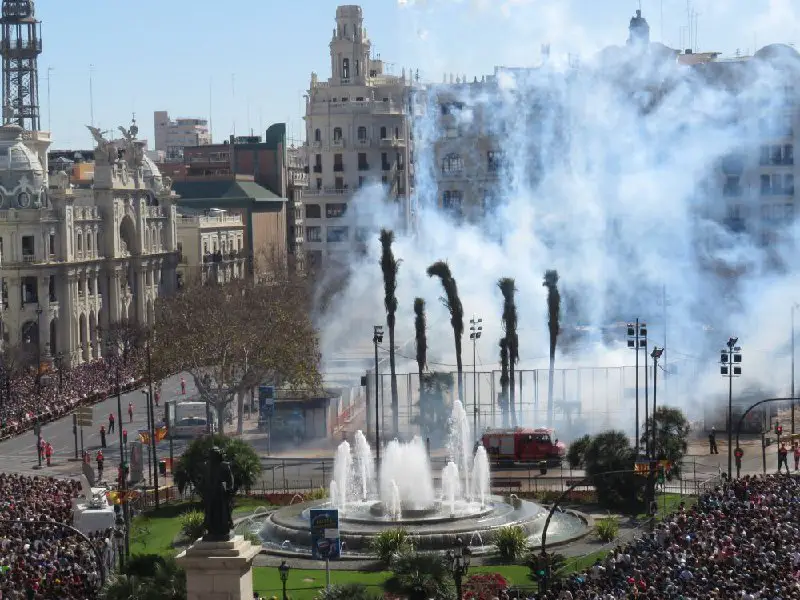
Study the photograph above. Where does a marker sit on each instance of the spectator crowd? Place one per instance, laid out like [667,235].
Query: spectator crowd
[56,394]
[38,560]
[741,541]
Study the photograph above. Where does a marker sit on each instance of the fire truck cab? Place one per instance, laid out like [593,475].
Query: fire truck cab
[523,445]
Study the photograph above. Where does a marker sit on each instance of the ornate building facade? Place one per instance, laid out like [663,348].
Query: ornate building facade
[75,261]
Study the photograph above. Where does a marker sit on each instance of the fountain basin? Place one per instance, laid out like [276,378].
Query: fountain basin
[289,526]
[406,512]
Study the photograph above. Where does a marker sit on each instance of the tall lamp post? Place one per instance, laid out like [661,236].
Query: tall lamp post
[122,462]
[377,338]
[38,348]
[730,359]
[284,573]
[459,563]
[637,340]
[794,306]
[152,419]
[60,364]
[475,330]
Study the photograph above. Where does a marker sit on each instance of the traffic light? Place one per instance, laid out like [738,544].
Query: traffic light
[738,453]
[778,428]
[124,436]
[542,571]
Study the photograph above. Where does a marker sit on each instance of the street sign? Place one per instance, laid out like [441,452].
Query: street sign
[84,416]
[266,398]
[325,533]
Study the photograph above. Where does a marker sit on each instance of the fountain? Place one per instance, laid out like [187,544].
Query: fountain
[402,493]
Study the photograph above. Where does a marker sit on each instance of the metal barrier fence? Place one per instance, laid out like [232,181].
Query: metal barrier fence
[588,399]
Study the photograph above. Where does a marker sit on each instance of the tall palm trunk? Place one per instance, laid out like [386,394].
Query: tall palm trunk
[421,338]
[389,266]
[507,288]
[451,300]
[503,398]
[553,311]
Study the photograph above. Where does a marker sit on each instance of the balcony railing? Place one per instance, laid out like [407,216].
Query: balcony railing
[363,166]
[338,143]
[317,168]
[338,168]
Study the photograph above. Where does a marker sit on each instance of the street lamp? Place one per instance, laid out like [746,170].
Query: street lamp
[730,359]
[794,306]
[475,330]
[284,573]
[377,338]
[38,347]
[655,355]
[637,340]
[459,563]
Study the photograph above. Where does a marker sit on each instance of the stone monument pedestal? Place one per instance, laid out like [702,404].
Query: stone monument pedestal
[219,570]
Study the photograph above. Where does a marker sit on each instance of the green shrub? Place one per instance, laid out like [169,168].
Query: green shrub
[391,542]
[193,524]
[577,451]
[511,542]
[348,591]
[607,528]
[319,493]
[252,537]
[555,561]
[420,576]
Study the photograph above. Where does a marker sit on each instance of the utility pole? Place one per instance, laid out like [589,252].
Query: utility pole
[637,339]
[475,330]
[152,418]
[730,367]
[794,306]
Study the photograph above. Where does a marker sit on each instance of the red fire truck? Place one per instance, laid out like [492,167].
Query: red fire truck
[523,445]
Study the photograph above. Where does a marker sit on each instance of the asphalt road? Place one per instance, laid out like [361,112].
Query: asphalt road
[19,454]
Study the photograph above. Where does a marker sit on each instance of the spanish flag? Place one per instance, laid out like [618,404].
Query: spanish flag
[161,433]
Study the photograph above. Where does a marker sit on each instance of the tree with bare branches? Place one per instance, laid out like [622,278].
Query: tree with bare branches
[233,337]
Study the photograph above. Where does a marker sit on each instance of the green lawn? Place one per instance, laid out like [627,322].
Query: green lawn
[154,531]
[304,584]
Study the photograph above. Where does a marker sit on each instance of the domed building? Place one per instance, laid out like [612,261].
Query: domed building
[79,259]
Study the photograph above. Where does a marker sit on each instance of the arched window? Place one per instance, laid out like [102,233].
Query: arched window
[383,133]
[79,242]
[337,134]
[89,241]
[452,164]
[317,135]
[362,133]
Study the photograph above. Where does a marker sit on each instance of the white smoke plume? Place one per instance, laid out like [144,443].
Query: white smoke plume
[614,176]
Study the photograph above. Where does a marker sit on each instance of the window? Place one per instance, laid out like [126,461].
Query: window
[398,160]
[777,184]
[28,247]
[385,161]
[777,155]
[494,160]
[383,133]
[451,201]
[358,67]
[345,64]
[362,133]
[30,291]
[337,235]
[337,162]
[337,134]
[789,211]
[384,179]
[363,165]
[335,210]
[318,163]
[317,135]
[319,183]
[765,185]
[314,234]
[788,184]
[338,183]
[449,108]
[88,241]
[788,154]
[51,244]
[313,211]
[205,248]
[397,133]
[361,181]
[732,186]
[452,164]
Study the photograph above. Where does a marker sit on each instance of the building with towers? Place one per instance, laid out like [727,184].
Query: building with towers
[75,259]
[357,133]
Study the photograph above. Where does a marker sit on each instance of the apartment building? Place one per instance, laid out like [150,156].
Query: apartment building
[357,133]
[211,246]
[171,137]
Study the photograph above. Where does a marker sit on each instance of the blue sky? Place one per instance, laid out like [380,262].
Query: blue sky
[256,58]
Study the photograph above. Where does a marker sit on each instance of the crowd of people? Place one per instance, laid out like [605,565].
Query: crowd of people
[740,541]
[55,394]
[38,557]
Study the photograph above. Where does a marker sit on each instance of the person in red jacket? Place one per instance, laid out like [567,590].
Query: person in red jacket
[48,452]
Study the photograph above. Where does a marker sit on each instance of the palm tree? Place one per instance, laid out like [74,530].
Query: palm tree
[451,300]
[553,311]
[507,288]
[420,335]
[164,581]
[389,266]
[421,575]
[504,380]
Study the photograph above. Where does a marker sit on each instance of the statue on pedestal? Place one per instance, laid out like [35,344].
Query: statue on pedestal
[218,490]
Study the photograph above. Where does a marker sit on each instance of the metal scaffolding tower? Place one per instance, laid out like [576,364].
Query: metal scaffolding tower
[20,48]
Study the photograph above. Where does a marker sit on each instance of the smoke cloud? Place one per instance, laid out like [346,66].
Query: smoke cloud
[615,175]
